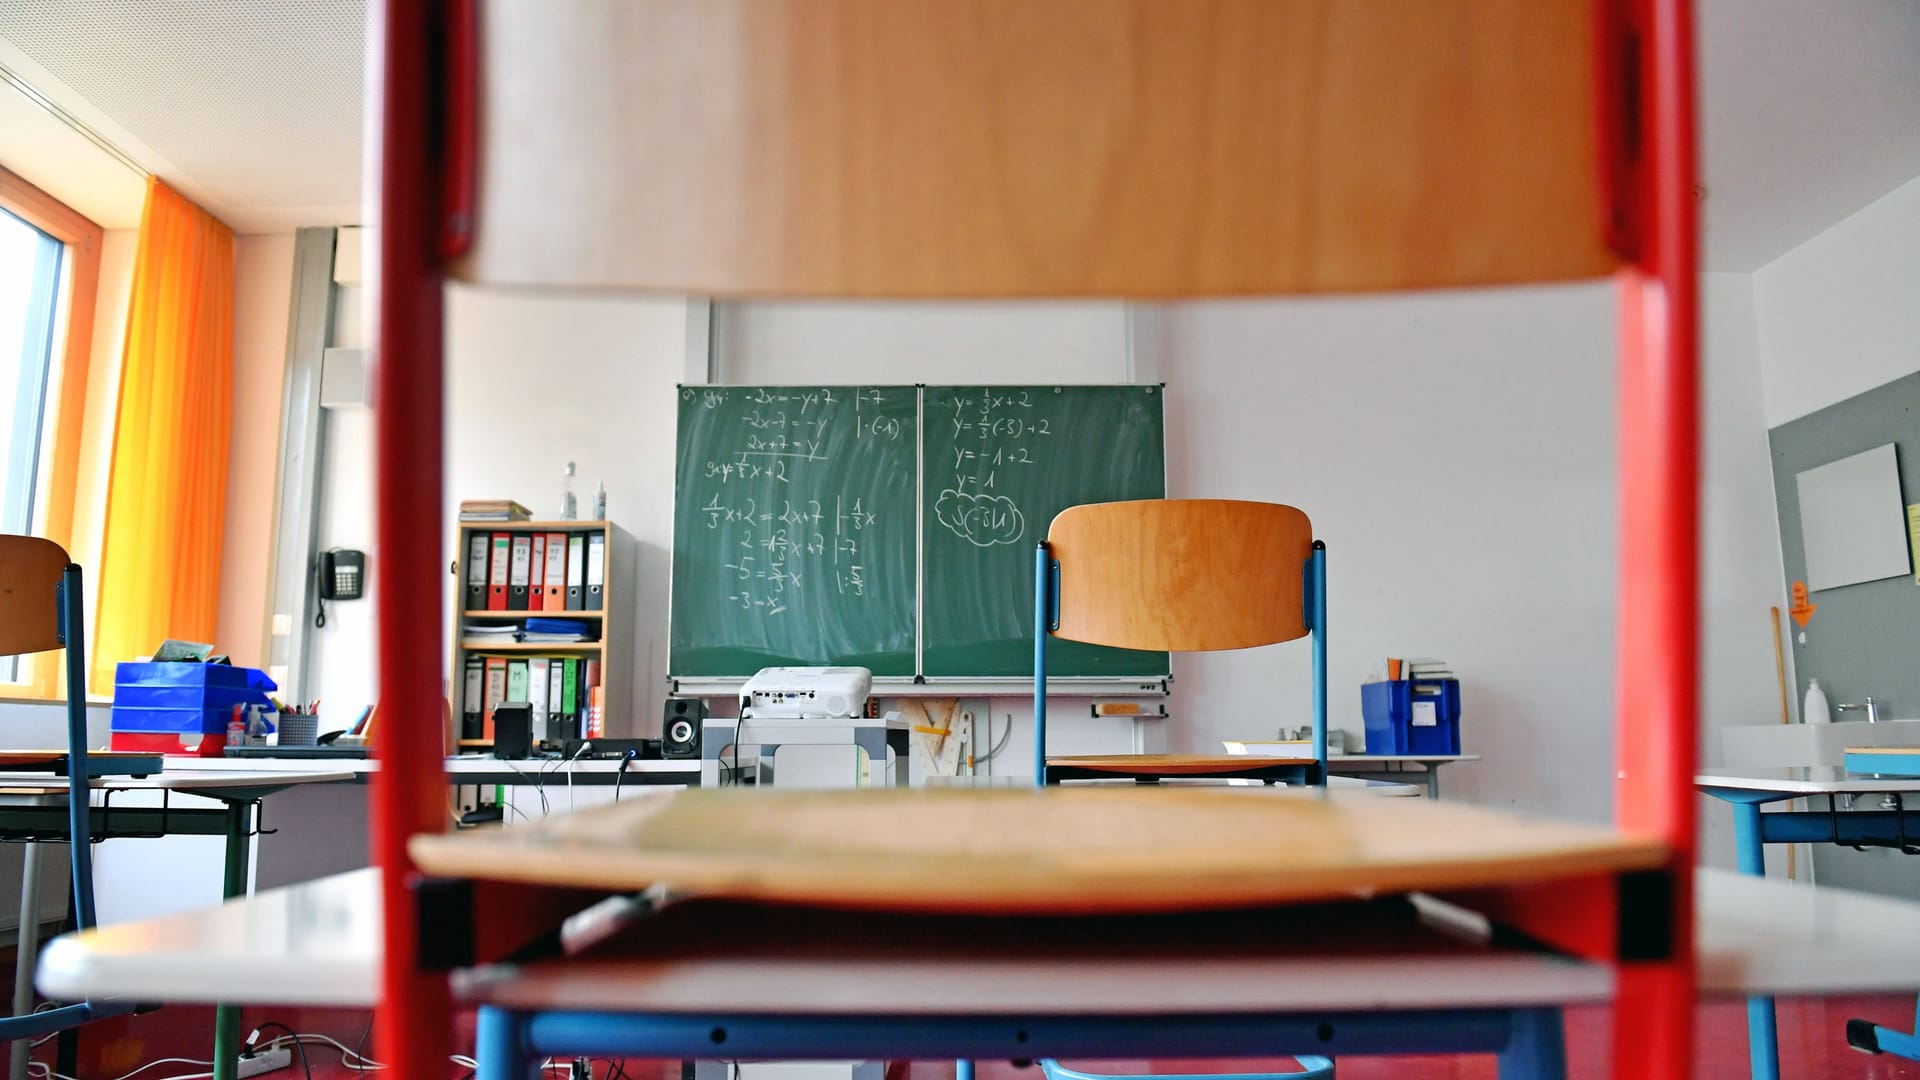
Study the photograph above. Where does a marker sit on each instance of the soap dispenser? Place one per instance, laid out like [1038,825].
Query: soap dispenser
[1815,710]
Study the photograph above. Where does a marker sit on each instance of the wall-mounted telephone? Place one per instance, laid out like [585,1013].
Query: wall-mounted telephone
[343,576]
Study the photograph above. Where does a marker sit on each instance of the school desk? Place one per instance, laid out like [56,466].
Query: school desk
[1374,766]
[33,808]
[318,943]
[485,770]
[1747,790]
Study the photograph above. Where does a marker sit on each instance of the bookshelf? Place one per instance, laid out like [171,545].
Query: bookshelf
[610,651]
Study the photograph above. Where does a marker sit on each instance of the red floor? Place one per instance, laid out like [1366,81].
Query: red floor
[1811,1047]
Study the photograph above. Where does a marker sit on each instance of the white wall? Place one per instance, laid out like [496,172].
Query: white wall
[898,343]
[1740,530]
[1838,315]
[341,671]
[1455,452]
[535,380]
[262,293]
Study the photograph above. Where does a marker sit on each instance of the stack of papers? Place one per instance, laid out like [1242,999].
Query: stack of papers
[1418,667]
[493,510]
[556,630]
[485,631]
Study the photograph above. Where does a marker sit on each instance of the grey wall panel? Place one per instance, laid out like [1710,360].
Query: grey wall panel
[1862,639]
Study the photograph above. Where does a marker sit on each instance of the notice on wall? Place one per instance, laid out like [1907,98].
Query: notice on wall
[1913,538]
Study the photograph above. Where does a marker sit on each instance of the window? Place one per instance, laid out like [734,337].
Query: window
[29,309]
[29,318]
[49,274]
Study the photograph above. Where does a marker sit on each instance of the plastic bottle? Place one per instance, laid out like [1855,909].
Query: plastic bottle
[569,510]
[600,502]
[1814,710]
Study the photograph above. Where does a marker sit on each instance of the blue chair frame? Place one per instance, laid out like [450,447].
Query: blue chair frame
[1046,620]
[70,635]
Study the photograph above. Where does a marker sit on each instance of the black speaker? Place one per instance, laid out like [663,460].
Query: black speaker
[513,730]
[680,728]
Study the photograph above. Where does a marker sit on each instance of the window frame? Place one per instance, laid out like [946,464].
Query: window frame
[83,238]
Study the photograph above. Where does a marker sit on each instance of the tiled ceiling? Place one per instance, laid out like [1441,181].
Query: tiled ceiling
[252,106]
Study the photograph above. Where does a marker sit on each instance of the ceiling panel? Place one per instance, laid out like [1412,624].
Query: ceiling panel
[257,103]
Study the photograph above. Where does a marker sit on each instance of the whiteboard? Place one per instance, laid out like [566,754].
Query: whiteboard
[1852,523]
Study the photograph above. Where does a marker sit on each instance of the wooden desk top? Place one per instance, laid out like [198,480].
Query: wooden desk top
[1062,850]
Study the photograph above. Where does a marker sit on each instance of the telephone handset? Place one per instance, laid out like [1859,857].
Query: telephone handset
[342,575]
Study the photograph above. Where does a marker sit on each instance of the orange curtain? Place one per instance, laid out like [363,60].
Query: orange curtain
[159,573]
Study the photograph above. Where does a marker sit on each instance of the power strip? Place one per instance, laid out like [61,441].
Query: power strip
[266,1061]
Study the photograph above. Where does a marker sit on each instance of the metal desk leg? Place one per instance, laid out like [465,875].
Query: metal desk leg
[226,1018]
[1538,1047]
[1763,1038]
[1433,780]
[500,1045]
[1874,1039]
[28,949]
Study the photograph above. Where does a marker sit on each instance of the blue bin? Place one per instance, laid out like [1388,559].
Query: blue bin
[186,699]
[1408,717]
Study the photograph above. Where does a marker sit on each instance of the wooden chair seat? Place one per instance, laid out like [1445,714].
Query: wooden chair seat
[1057,850]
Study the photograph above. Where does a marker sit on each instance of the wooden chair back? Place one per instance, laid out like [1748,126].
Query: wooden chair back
[30,570]
[1182,575]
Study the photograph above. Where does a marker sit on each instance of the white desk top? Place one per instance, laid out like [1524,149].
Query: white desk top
[455,766]
[1821,780]
[318,944]
[184,780]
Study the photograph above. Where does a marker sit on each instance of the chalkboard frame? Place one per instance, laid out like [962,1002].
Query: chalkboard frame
[1151,680]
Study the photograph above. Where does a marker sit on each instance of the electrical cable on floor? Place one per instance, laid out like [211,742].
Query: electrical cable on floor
[299,1047]
[349,1057]
[359,1053]
[46,1071]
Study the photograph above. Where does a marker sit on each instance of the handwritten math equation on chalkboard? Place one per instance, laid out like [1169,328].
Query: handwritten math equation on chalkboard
[995,434]
[781,546]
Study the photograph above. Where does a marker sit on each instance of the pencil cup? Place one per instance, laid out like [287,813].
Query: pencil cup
[298,730]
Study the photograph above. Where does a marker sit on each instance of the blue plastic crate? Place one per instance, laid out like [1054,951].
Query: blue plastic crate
[193,699]
[1408,717]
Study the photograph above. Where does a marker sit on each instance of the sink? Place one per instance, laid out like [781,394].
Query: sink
[1773,746]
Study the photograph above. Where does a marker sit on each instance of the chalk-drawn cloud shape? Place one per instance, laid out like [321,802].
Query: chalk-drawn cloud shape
[981,520]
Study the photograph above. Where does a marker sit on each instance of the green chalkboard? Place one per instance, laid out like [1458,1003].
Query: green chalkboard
[794,529]
[892,527]
[1000,462]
